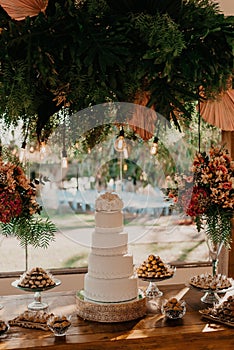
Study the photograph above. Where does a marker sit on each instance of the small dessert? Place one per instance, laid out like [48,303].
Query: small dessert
[223,312]
[208,281]
[37,278]
[3,327]
[174,308]
[32,319]
[154,267]
[59,324]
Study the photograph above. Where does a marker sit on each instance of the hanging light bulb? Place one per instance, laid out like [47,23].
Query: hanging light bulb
[22,152]
[125,152]
[154,147]
[125,167]
[64,152]
[64,159]
[42,149]
[120,143]
[31,149]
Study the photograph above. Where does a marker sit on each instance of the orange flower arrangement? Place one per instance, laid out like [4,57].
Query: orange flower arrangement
[17,193]
[19,206]
[210,199]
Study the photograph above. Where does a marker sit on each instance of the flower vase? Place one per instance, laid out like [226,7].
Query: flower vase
[214,252]
[211,296]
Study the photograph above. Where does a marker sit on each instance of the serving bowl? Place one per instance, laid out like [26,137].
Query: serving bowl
[173,308]
[59,324]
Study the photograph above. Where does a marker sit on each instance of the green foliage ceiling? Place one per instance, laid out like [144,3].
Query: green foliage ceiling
[78,55]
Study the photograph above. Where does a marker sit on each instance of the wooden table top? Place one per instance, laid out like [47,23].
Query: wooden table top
[152,331]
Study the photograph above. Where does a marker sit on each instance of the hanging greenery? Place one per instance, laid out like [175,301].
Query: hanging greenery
[82,53]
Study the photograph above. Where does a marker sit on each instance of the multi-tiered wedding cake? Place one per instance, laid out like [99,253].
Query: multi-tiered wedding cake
[110,286]
[110,268]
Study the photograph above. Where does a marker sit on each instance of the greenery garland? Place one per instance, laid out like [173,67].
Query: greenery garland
[85,53]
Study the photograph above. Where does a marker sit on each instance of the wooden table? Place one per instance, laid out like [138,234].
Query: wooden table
[151,332]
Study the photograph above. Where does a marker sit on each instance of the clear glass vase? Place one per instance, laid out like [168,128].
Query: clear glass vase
[214,252]
[211,296]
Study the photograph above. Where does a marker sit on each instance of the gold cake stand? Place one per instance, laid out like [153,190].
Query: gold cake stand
[110,312]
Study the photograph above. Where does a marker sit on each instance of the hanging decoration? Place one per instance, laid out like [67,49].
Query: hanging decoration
[150,54]
[64,159]
[120,143]
[143,125]
[154,147]
[220,111]
[20,9]
[64,151]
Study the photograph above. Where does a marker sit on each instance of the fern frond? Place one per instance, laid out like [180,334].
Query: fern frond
[33,231]
[218,226]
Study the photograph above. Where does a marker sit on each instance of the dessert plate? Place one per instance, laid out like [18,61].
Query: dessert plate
[16,285]
[37,304]
[211,294]
[152,290]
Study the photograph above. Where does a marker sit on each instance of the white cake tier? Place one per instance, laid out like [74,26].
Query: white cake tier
[109,229]
[108,219]
[110,267]
[110,290]
[121,250]
[110,240]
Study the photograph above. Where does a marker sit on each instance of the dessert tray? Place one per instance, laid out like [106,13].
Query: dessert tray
[31,319]
[154,270]
[221,313]
[37,303]
[4,327]
[27,289]
[36,280]
[110,312]
[206,314]
[211,286]
[152,290]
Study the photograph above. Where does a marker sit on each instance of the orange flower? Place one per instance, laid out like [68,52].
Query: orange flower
[17,194]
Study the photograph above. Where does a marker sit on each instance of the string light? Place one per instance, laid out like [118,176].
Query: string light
[22,152]
[154,147]
[64,152]
[64,159]
[125,152]
[120,143]
[31,149]
[43,148]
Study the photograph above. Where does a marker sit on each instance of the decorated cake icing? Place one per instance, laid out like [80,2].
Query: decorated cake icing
[109,201]
[110,277]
